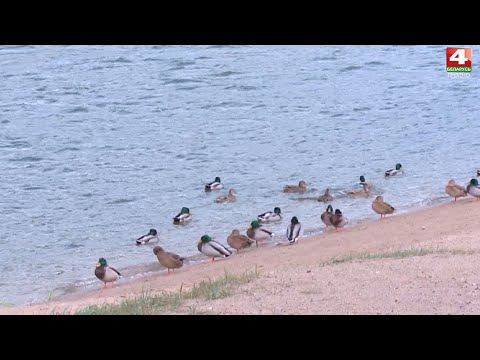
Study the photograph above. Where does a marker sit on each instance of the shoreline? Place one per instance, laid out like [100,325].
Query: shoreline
[438,226]
[153,268]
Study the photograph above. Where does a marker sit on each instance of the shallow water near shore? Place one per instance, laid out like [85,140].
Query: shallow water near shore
[101,143]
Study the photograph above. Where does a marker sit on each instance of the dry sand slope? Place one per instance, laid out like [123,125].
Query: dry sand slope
[423,262]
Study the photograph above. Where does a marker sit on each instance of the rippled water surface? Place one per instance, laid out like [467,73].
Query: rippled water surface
[101,143]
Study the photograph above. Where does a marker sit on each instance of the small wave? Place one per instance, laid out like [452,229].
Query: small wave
[362,109]
[121,59]
[5,121]
[77,109]
[27,159]
[375,63]
[241,87]
[181,81]
[67,149]
[121,201]
[188,88]
[351,68]
[400,86]
[226,73]
[30,188]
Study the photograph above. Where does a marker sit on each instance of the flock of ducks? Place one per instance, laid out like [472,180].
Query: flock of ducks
[257,233]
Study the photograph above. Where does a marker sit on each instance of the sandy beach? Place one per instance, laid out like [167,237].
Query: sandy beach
[424,262]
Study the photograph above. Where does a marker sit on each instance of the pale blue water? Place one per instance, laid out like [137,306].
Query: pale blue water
[101,143]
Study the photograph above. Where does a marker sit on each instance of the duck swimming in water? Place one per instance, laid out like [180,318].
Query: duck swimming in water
[184,216]
[145,239]
[301,187]
[214,185]
[271,216]
[397,171]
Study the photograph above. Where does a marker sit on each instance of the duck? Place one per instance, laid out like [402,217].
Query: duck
[365,192]
[106,273]
[168,259]
[473,188]
[381,207]
[301,187]
[212,248]
[271,216]
[214,185]
[478,172]
[337,219]
[364,182]
[397,171]
[230,197]
[184,216]
[258,233]
[455,190]
[325,197]
[325,217]
[238,241]
[145,239]
[294,230]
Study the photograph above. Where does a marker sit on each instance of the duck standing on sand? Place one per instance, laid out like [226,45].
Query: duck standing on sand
[258,233]
[301,187]
[326,216]
[214,185]
[325,197]
[142,240]
[212,248]
[106,273]
[168,259]
[473,188]
[271,216]
[294,230]
[337,220]
[230,197]
[184,216]
[238,241]
[455,190]
[397,171]
[381,207]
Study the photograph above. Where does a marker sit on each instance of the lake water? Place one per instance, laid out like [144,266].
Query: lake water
[101,143]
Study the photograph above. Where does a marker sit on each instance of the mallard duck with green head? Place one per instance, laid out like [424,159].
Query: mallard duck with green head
[294,230]
[168,259]
[214,185]
[239,241]
[257,232]
[364,182]
[393,172]
[184,216]
[473,188]
[270,216]
[211,248]
[145,239]
[455,190]
[106,273]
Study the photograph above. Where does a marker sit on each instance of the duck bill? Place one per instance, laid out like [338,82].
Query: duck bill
[98,264]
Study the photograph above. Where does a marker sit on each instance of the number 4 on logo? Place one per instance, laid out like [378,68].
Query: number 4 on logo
[459,57]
